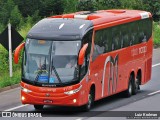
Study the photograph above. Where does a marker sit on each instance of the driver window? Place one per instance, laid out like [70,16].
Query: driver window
[87,39]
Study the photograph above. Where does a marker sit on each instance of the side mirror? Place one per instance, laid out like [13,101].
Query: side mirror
[82,54]
[17,51]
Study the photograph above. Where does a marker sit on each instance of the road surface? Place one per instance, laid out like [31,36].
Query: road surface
[147,99]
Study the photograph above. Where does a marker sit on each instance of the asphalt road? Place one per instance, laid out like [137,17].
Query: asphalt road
[147,99]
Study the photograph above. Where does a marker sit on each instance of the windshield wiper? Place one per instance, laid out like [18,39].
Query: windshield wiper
[55,71]
[41,70]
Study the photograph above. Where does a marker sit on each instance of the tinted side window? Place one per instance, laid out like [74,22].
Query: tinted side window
[108,39]
[99,47]
[86,39]
[142,35]
[116,35]
[148,28]
[134,28]
[125,42]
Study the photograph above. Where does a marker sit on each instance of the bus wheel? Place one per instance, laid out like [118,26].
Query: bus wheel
[38,107]
[129,91]
[135,86]
[88,106]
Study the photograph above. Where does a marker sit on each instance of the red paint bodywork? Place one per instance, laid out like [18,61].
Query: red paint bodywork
[127,63]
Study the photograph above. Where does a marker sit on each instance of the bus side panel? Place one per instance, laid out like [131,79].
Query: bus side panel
[148,68]
[109,78]
[95,76]
[140,59]
[85,90]
[123,58]
[129,65]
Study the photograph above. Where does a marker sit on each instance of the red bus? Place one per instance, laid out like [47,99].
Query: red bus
[76,59]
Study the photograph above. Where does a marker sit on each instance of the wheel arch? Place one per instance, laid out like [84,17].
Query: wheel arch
[139,73]
[132,73]
[93,88]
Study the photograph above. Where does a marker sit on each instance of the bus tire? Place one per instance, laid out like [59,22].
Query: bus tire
[38,107]
[139,80]
[129,91]
[135,86]
[90,102]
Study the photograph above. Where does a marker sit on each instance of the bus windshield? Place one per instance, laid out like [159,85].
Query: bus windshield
[51,62]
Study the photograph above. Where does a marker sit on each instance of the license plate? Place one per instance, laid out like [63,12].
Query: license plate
[48,101]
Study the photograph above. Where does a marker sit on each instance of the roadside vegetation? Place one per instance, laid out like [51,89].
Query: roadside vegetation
[156,34]
[24,14]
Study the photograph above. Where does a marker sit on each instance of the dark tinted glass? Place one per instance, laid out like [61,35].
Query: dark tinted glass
[116,35]
[122,36]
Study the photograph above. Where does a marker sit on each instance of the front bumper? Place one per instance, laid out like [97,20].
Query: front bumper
[51,96]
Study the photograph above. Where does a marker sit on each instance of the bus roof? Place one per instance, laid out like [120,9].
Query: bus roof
[75,25]
[60,29]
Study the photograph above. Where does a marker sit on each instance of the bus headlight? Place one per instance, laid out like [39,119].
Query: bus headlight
[22,98]
[73,91]
[25,90]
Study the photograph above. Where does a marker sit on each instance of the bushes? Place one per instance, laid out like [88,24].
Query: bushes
[156,34]
[17,11]
[7,81]
[147,5]
[15,17]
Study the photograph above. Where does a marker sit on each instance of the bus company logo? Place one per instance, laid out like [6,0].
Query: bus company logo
[47,95]
[137,51]
[112,75]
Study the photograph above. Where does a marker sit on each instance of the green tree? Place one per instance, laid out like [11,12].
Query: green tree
[131,4]
[28,7]
[107,4]
[152,6]
[5,11]
[51,7]
[15,17]
[86,5]
[70,6]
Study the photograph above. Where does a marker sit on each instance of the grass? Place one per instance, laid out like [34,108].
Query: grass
[5,80]
[156,34]
[24,30]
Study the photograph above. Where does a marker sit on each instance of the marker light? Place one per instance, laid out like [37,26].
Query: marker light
[74,100]
[23,98]
[25,90]
[73,91]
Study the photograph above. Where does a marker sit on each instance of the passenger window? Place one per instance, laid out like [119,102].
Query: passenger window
[99,44]
[142,34]
[134,28]
[116,34]
[148,28]
[107,39]
[125,36]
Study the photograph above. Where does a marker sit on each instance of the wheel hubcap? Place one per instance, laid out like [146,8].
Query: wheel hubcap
[137,84]
[130,88]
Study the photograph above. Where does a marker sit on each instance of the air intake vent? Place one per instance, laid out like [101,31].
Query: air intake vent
[87,12]
[116,11]
[85,17]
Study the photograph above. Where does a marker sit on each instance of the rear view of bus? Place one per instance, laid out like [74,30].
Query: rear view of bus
[68,59]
